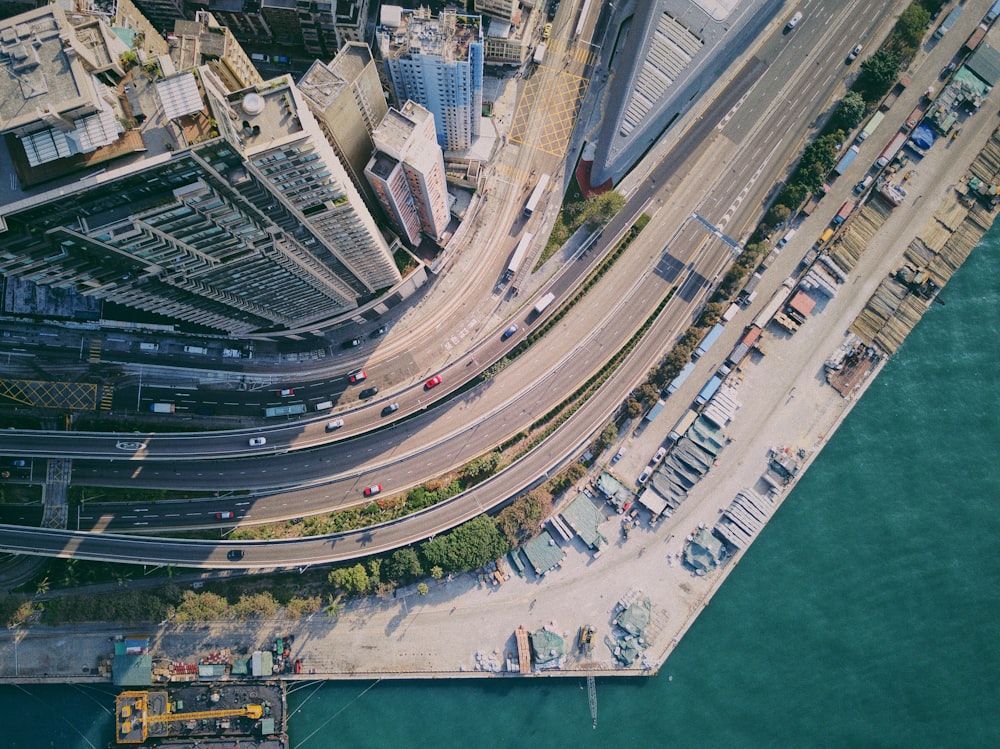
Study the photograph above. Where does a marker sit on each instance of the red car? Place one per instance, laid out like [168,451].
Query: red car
[372,490]
[227,515]
[359,376]
[286,393]
[432,382]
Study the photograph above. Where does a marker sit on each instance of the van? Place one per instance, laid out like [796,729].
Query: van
[149,347]
[863,185]
[788,235]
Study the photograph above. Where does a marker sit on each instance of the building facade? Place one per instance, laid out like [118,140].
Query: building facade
[226,209]
[407,173]
[438,63]
[347,99]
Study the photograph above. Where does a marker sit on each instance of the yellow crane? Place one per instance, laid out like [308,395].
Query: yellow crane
[133,716]
[253,712]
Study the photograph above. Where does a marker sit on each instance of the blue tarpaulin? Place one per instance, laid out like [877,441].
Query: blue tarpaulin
[923,136]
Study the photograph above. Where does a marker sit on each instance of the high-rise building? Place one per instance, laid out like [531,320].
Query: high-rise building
[504,10]
[438,63]
[347,99]
[226,209]
[407,173]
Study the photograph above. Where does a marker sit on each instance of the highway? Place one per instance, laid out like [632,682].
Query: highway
[750,146]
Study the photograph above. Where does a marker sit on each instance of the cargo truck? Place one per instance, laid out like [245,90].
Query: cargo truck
[162,408]
[890,151]
[871,126]
[846,160]
[195,350]
[709,340]
[539,53]
[708,391]
[544,302]
[680,378]
[682,425]
[894,94]
[948,22]
[843,213]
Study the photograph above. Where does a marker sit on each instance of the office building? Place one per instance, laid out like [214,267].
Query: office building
[407,173]
[438,63]
[225,209]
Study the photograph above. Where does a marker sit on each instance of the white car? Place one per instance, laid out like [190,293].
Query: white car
[335,424]
[854,53]
[793,21]
[258,441]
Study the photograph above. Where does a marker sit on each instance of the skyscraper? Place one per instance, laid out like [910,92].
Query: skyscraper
[407,173]
[438,63]
[227,209]
[347,99]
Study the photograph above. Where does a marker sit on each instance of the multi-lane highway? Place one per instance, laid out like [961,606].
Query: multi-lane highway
[719,172]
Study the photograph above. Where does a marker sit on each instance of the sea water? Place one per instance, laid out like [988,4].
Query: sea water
[865,615]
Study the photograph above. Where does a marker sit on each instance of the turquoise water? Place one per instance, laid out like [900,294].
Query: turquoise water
[866,614]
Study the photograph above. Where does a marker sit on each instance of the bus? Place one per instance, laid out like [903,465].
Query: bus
[290,410]
[536,195]
[518,257]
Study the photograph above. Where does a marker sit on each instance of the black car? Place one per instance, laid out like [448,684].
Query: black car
[234,555]
[390,409]
[351,343]
[380,332]
[369,393]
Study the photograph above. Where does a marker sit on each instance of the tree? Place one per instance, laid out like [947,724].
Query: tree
[601,209]
[878,74]
[607,437]
[792,195]
[648,394]
[778,214]
[482,468]
[911,25]
[404,564]
[518,520]
[352,580]
[467,547]
[422,589]
[335,607]
[850,111]
[633,408]
[436,572]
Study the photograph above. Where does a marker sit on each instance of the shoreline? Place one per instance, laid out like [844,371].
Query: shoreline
[445,643]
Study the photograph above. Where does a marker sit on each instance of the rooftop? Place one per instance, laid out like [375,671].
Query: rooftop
[418,33]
